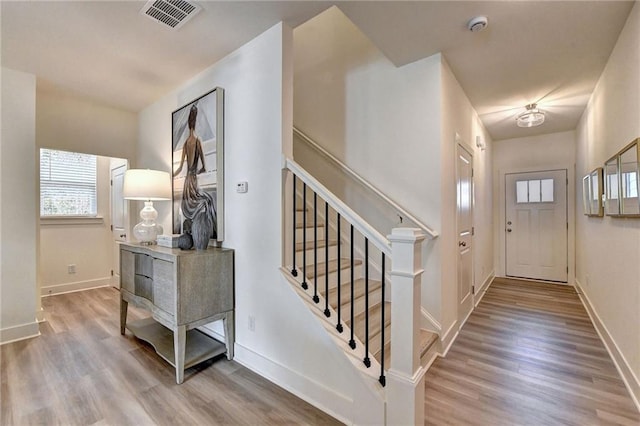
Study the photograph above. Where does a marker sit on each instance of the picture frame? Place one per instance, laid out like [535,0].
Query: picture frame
[592,193]
[622,182]
[197,147]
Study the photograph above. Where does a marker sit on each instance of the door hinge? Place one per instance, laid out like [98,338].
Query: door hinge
[473,289]
[567,269]
[112,227]
[111,182]
[112,272]
[473,230]
[471,172]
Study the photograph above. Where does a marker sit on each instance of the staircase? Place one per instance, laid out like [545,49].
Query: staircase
[346,291]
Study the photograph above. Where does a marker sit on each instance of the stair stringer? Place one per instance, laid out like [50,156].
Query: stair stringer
[369,397]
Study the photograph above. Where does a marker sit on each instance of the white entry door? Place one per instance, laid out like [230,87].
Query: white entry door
[464,220]
[119,215]
[536,225]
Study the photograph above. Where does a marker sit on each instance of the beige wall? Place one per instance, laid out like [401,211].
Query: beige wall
[608,249]
[18,211]
[545,152]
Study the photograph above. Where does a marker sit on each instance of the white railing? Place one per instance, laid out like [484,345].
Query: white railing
[376,238]
[352,174]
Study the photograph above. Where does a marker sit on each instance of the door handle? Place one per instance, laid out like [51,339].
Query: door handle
[462,244]
[509,223]
[123,235]
[508,229]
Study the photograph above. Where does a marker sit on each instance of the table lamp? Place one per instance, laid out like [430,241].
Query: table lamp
[148,186]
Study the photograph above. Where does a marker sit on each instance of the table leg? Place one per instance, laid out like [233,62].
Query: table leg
[123,314]
[179,343]
[229,333]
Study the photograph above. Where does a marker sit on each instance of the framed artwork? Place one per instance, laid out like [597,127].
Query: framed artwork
[592,193]
[198,169]
[622,183]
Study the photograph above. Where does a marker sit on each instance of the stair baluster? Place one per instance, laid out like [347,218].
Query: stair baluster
[382,379]
[339,305]
[352,342]
[304,236]
[316,299]
[294,272]
[366,360]
[326,260]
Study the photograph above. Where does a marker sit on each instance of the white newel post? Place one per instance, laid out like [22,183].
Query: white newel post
[405,378]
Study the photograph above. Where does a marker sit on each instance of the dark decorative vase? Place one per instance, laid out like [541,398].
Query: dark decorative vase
[185,242]
[201,231]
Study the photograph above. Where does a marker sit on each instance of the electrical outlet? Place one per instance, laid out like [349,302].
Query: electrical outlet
[71,269]
[252,323]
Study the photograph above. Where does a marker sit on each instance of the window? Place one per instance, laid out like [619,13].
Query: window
[629,185]
[67,183]
[534,191]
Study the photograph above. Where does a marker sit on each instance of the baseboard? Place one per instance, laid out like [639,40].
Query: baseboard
[484,287]
[298,384]
[628,376]
[75,286]
[449,337]
[19,332]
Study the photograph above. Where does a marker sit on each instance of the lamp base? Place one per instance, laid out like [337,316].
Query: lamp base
[147,231]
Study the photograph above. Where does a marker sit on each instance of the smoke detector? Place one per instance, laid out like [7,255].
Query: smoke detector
[477,24]
[170,13]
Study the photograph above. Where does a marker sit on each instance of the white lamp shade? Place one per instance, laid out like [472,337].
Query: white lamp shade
[145,184]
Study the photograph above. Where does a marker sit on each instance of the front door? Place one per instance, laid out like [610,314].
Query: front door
[119,215]
[536,225]
[464,220]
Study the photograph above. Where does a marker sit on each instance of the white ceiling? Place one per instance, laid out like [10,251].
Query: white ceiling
[548,52]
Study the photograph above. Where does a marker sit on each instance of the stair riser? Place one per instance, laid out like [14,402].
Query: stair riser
[333,276]
[333,254]
[310,236]
[359,305]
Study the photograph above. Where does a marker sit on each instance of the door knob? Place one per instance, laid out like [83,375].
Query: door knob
[123,235]
[508,229]
[462,244]
[509,223]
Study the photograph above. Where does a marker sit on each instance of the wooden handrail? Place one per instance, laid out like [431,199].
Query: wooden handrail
[376,238]
[430,232]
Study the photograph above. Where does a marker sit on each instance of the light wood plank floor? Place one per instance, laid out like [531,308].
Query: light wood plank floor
[528,355]
[81,371]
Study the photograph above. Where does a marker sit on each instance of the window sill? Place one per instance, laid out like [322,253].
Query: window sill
[71,220]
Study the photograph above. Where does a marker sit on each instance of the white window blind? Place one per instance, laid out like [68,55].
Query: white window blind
[67,183]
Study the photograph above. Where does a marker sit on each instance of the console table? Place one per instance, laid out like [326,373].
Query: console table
[182,290]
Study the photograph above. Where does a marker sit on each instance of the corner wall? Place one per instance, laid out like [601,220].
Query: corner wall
[18,209]
[608,249]
[288,346]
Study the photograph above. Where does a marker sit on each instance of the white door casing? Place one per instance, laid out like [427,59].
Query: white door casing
[464,226]
[536,225]
[119,216]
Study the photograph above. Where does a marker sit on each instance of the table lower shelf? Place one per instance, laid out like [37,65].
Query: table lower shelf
[199,347]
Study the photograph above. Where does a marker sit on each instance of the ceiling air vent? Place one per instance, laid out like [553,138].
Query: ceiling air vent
[171,13]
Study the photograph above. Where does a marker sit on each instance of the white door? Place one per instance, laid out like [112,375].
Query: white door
[536,225]
[119,215]
[464,209]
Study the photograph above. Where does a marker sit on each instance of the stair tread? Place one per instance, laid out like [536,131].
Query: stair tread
[309,244]
[427,339]
[300,225]
[374,321]
[333,266]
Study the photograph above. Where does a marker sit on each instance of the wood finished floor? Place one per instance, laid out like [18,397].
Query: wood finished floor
[528,355]
[81,371]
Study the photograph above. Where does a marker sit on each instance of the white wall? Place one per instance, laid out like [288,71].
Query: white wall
[544,152]
[287,346]
[18,209]
[459,119]
[380,120]
[608,249]
[87,244]
[67,122]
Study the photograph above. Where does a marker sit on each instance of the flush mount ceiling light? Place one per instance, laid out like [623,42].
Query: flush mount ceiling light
[532,117]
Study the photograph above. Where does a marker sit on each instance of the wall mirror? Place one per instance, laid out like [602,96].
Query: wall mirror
[621,182]
[592,190]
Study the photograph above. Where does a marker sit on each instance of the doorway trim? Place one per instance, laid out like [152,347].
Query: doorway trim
[500,217]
